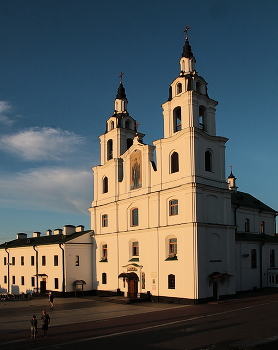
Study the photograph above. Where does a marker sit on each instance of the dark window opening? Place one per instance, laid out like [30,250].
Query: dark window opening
[208,161]
[253,258]
[105,184]
[174,162]
[171,282]
[129,143]
[109,149]
[104,278]
[177,119]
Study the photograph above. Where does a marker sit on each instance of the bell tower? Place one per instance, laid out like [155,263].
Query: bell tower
[121,129]
[188,104]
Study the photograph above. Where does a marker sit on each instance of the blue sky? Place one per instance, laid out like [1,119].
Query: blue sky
[59,67]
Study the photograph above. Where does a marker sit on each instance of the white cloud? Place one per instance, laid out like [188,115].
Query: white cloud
[40,144]
[5,108]
[55,189]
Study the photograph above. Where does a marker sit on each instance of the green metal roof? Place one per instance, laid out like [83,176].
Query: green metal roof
[242,199]
[43,240]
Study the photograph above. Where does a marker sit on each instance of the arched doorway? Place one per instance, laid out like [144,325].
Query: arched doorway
[132,285]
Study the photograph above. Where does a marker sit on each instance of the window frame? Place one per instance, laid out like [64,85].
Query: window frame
[104,220]
[104,278]
[173,246]
[171,281]
[56,260]
[135,248]
[173,207]
[134,217]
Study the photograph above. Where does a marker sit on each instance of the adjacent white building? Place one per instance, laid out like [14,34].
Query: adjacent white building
[165,218]
[61,261]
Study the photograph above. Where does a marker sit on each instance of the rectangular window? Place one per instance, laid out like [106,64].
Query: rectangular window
[32,260]
[77,261]
[13,260]
[272,257]
[104,251]
[56,283]
[5,279]
[172,246]
[22,260]
[22,280]
[135,248]
[174,207]
[13,279]
[55,260]
[134,217]
[105,220]
[5,261]
[247,225]
[33,281]
[253,258]
[43,260]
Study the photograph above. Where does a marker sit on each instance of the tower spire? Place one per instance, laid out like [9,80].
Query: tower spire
[187,52]
[121,100]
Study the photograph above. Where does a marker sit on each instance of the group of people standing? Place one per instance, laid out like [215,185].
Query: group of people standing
[45,319]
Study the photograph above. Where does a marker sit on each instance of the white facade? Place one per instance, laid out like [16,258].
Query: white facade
[162,213]
[50,262]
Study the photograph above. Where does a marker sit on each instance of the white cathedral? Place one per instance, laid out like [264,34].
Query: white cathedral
[165,221]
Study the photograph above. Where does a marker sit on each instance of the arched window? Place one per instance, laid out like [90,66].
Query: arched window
[202,118]
[208,160]
[104,278]
[272,257]
[105,185]
[171,281]
[198,86]
[109,149]
[104,220]
[129,143]
[111,125]
[134,217]
[173,207]
[179,88]
[177,119]
[253,258]
[127,124]
[173,247]
[174,162]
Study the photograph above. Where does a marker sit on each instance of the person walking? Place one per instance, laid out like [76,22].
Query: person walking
[51,299]
[45,322]
[34,326]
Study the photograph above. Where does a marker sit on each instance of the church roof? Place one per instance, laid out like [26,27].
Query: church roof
[187,52]
[42,240]
[241,199]
[253,237]
[121,92]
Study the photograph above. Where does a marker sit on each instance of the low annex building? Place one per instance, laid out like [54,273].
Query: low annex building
[60,261]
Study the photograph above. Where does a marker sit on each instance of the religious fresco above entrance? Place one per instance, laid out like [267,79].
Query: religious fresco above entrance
[135,170]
